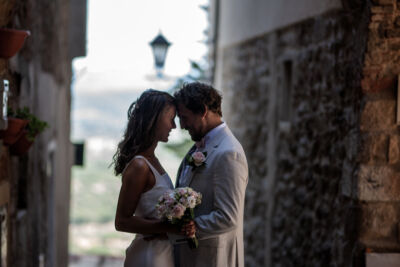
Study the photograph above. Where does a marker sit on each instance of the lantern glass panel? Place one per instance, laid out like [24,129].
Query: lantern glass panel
[160,52]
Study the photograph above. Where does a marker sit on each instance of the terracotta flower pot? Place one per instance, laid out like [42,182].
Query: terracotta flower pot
[22,145]
[11,41]
[14,130]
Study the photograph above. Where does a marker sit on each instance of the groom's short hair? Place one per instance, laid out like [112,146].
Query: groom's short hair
[196,96]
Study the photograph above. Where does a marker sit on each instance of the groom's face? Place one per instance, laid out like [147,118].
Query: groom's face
[192,122]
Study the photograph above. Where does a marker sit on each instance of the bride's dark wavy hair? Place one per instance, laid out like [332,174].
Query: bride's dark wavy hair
[139,134]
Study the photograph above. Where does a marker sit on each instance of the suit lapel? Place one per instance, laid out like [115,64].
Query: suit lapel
[182,166]
[189,175]
[210,148]
[178,175]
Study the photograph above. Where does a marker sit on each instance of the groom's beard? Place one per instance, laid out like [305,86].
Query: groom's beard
[197,135]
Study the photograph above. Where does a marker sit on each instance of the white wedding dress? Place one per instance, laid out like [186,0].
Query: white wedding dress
[153,253]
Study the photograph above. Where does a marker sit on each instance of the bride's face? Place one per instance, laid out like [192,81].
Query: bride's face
[166,123]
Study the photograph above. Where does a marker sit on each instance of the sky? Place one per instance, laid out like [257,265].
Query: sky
[119,56]
[119,64]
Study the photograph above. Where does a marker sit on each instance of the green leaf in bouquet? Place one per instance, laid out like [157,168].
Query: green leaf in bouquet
[191,213]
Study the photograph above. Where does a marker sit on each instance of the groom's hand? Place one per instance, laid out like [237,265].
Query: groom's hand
[189,229]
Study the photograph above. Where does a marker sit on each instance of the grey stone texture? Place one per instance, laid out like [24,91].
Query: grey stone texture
[294,99]
[314,105]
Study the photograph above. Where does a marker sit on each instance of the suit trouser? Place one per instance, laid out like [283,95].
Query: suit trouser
[176,256]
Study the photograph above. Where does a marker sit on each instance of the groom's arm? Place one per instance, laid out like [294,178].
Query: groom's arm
[229,182]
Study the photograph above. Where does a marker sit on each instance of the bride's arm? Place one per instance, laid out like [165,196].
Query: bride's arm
[134,181]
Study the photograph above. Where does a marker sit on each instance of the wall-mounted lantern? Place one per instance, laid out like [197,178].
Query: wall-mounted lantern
[160,47]
[4,89]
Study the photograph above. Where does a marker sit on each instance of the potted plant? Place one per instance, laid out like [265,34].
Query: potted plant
[15,128]
[32,129]
[11,41]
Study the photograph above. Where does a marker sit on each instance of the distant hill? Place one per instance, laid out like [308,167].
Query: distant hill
[102,114]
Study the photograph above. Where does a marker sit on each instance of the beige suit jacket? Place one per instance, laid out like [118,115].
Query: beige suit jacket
[219,219]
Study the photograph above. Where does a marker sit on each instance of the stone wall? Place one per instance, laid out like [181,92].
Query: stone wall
[246,90]
[379,176]
[39,182]
[293,97]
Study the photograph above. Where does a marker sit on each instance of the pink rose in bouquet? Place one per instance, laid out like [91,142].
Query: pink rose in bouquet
[178,211]
[177,206]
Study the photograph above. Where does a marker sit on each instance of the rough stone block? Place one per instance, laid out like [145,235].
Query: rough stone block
[374,25]
[375,85]
[398,232]
[393,33]
[374,149]
[394,149]
[5,12]
[3,66]
[380,221]
[4,192]
[394,46]
[377,58]
[378,17]
[388,9]
[397,22]
[371,71]
[381,9]
[382,259]
[383,2]
[379,146]
[379,115]
[378,183]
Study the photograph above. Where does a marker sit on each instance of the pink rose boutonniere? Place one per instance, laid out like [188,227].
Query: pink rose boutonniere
[197,159]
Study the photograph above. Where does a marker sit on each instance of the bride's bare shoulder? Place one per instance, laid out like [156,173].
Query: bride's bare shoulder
[136,168]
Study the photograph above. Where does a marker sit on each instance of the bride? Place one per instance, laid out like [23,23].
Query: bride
[144,180]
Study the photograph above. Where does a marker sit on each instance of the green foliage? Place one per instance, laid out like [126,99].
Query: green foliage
[196,74]
[95,191]
[93,204]
[94,200]
[98,250]
[180,149]
[10,112]
[35,125]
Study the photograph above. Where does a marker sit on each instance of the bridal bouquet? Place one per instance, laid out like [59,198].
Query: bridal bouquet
[177,206]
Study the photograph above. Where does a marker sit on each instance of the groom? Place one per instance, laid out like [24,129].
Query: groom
[221,177]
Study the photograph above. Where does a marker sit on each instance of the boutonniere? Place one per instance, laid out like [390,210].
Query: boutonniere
[196,159]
